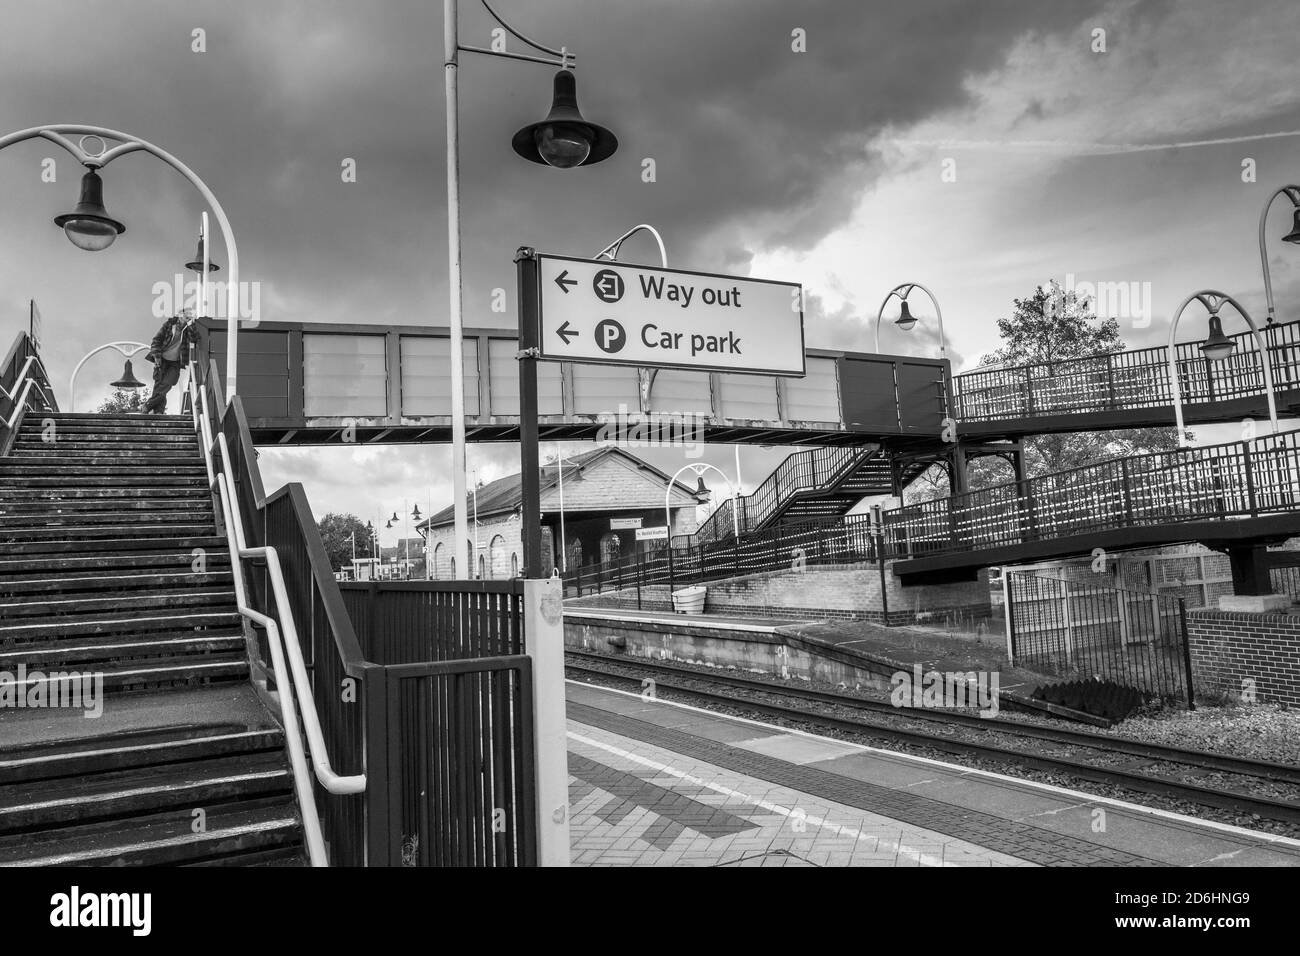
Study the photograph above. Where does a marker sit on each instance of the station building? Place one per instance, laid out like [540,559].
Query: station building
[608,495]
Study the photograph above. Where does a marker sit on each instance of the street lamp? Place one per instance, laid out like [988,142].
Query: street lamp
[91,228]
[906,320]
[127,349]
[1216,348]
[1292,193]
[558,141]
[699,468]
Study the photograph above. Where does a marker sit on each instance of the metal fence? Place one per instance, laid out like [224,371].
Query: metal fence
[781,547]
[1235,479]
[430,694]
[1132,379]
[1076,629]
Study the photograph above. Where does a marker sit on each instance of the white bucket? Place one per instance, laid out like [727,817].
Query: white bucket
[689,600]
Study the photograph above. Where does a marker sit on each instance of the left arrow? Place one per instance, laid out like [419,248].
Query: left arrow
[565,333]
[564,283]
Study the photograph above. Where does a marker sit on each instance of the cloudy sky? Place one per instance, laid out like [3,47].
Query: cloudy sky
[825,167]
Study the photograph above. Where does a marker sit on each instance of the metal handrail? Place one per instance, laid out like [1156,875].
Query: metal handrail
[295,682]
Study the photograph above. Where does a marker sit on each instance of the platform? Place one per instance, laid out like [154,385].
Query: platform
[655,783]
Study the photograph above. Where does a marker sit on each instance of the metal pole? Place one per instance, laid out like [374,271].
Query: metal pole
[529,453]
[1290,191]
[564,547]
[451,63]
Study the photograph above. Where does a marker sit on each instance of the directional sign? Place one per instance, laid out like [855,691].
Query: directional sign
[652,534]
[600,311]
[624,524]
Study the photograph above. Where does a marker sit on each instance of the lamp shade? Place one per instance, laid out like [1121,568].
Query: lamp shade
[89,225]
[565,139]
[905,319]
[128,379]
[1294,234]
[196,264]
[1217,346]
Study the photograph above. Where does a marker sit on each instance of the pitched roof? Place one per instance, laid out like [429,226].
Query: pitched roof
[506,494]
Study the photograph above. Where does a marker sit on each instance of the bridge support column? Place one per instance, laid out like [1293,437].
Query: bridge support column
[958,482]
[1250,566]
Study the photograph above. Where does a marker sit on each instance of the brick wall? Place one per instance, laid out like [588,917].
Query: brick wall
[842,592]
[1231,647]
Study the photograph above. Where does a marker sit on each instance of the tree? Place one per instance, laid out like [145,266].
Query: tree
[122,400]
[1051,325]
[336,531]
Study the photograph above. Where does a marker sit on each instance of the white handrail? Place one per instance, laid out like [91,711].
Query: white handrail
[27,381]
[294,683]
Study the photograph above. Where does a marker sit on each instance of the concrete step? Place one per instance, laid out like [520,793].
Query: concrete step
[98,656]
[86,532]
[46,606]
[144,520]
[176,543]
[121,621]
[18,495]
[70,566]
[102,481]
[236,829]
[67,585]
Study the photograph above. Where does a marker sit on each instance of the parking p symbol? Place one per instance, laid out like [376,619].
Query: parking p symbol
[610,336]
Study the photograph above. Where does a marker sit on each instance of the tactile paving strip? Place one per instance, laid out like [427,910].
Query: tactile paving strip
[1021,840]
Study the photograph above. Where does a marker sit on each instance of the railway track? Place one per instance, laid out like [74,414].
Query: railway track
[989,738]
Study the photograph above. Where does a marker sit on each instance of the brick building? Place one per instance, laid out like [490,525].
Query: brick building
[608,492]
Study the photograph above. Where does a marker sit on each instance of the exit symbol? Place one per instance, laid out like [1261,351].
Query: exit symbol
[608,285]
[610,336]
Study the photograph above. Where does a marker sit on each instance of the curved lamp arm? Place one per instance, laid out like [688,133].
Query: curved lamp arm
[699,468]
[130,144]
[903,290]
[611,250]
[1293,193]
[126,348]
[1213,300]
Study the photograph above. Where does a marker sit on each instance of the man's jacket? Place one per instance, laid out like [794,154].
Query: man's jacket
[173,339]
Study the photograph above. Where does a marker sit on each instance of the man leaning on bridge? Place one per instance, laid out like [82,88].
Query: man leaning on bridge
[170,352]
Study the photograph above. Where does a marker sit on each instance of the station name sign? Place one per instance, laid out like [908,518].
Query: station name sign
[600,311]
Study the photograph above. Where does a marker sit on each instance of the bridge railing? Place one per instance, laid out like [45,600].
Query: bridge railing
[1132,379]
[1232,480]
[801,471]
[782,547]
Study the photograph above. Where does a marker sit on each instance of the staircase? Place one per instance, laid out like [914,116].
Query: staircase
[821,484]
[111,564]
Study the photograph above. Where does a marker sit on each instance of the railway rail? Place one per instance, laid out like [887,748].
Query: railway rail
[970,735]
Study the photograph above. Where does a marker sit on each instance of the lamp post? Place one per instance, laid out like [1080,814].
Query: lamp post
[89,226]
[564,139]
[905,319]
[1292,193]
[1216,347]
[127,349]
[699,468]
[564,541]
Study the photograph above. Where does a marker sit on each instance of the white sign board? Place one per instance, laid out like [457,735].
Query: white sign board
[652,534]
[601,311]
[622,524]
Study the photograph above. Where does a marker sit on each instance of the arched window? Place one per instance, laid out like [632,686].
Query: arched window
[439,555]
[471,551]
[514,565]
[453,568]
[609,547]
[481,567]
[497,557]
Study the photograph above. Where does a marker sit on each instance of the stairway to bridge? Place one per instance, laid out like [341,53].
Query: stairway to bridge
[817,485]
[112,565]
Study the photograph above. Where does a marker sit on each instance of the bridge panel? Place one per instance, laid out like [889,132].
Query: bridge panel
[302,383]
